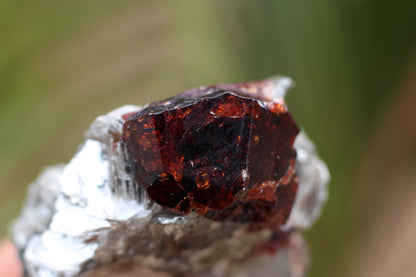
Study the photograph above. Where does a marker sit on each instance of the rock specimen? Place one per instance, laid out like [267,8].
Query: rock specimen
[213,182]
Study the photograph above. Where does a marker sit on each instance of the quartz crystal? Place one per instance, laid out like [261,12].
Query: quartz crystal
[216,181]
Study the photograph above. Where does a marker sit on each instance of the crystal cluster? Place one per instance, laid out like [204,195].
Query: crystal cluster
[216,181]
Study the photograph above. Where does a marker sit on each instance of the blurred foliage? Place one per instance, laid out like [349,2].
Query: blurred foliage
[63,63]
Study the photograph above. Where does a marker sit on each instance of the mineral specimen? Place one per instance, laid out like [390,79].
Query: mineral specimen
[213,182]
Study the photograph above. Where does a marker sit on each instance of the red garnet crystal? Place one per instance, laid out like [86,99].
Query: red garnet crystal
[225,152]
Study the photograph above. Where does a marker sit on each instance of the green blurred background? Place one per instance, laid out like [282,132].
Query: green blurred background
[62,63]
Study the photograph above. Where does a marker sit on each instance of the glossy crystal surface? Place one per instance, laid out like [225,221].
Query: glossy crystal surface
[221,153]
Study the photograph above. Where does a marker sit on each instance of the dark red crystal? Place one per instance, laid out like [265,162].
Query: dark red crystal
[217,151]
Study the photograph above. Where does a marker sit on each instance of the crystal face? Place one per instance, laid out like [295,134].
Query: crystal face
[222,153]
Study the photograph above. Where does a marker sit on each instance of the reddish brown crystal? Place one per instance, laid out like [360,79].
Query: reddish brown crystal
[221,153]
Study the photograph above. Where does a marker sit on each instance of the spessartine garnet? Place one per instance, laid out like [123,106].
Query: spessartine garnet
[218,151]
